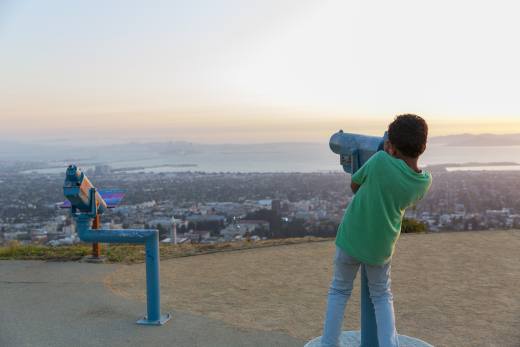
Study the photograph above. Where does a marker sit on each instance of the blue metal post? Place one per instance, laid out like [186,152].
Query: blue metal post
[368,314]
[86,204]
[153,290]
[150,238]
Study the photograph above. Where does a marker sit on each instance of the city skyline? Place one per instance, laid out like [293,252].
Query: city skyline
[267,71]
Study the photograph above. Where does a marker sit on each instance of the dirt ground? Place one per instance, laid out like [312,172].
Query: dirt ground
[450,289]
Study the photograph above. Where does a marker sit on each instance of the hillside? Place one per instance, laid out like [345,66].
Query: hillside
[450,289]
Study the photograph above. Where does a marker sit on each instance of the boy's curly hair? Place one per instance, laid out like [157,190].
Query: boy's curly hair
[408,133]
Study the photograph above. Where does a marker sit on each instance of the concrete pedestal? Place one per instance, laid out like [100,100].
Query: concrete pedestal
[353,339]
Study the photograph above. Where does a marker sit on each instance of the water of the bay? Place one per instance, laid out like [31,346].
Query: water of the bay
[285,158]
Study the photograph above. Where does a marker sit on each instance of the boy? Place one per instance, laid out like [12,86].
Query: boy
[388,183]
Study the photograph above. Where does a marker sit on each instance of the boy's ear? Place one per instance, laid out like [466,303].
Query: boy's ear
[388,147]
[391,149]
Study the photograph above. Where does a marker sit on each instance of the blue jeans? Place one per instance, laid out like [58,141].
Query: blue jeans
[345,270]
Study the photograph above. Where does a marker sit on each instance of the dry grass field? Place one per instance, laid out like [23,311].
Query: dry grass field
[450,289]
[130,253]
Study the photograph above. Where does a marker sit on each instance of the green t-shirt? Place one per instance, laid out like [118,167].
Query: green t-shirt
[372,222]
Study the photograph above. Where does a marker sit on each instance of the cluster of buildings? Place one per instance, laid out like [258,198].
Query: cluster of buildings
[198,223]
[214,222]
[58,231]
[460,220]
[216,207]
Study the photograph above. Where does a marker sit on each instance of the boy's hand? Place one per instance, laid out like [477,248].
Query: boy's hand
[355,187]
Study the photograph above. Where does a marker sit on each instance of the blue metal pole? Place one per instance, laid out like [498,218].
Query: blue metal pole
[153,296]
[368,314]
[150,238]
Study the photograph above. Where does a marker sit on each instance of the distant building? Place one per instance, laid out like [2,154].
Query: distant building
[242,227]
[276,205]
[207,218]
[265,204]
[165,222]
[197,235]
[38,236]
[102,170]
[69,229]
[505,212]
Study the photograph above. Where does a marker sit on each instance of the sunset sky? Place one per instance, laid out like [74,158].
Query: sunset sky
[254,71]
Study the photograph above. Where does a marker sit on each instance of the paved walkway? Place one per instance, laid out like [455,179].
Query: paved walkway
[67,304]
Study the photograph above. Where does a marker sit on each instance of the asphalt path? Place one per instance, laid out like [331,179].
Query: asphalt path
[67,304]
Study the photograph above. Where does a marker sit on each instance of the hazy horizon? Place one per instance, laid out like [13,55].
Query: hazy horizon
[164,157]
[266,71]
[462,139]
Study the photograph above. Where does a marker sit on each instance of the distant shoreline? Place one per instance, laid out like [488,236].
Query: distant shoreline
[472,164]
[143,168]
[500,166]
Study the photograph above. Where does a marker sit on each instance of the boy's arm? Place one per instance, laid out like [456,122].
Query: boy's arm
[361,175]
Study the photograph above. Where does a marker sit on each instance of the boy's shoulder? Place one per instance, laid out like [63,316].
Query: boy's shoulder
[382,156]
[401,168]
[377,162]
[379,156]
